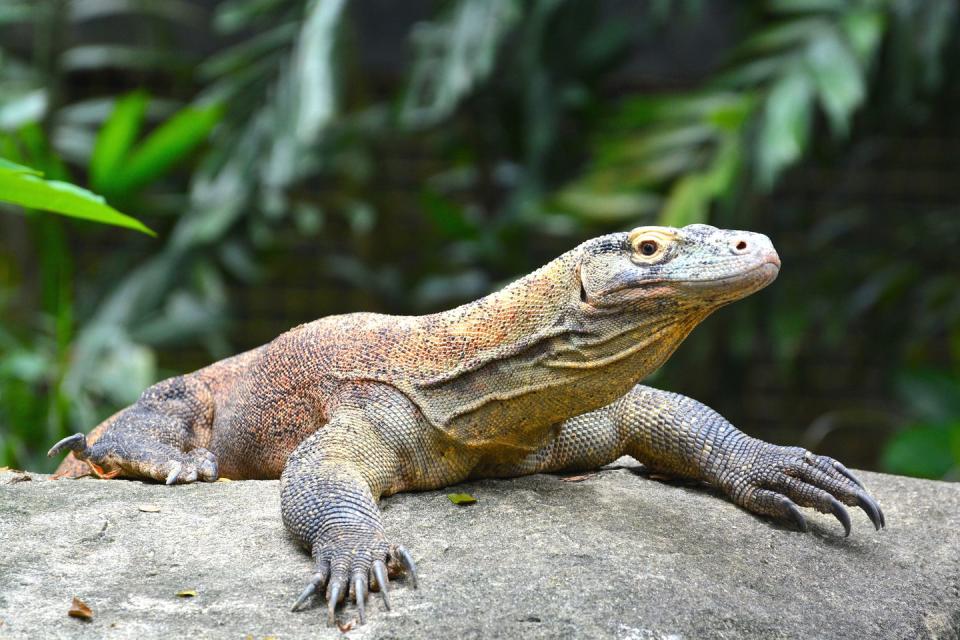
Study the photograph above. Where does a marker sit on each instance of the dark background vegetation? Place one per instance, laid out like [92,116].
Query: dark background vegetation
[305,158]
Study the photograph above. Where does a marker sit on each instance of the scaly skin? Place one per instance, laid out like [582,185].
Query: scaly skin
[540,376]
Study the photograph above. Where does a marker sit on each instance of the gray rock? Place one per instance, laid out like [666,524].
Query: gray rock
[616,555]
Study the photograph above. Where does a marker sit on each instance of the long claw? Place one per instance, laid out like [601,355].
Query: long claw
[334,590]
[175,470]
[383,582]
[797,517]
[841,514]
[407,560]
[872,509]
[304,596]
[360,595]
[849,474]
[76,443]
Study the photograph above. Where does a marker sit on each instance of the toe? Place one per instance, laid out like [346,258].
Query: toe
[379,578]
[872,509]
[400,555]
[175,467]
[206,464]
[335,591]
[836,508]
[351,567]
[317,582]
[777,505]
[831,476]
[360,594]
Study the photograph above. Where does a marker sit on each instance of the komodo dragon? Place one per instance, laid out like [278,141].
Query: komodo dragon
[537,377]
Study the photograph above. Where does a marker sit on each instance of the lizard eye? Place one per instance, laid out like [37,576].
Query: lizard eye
[650,244]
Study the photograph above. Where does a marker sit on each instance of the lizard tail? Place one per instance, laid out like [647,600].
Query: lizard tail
[71,467]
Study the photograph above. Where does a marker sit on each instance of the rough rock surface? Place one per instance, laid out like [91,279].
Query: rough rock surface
[615,555]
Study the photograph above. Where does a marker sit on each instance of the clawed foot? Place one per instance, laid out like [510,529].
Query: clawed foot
[109,457]
[778,480]
[351,568]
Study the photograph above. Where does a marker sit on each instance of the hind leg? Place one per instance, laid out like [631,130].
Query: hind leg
[158,437]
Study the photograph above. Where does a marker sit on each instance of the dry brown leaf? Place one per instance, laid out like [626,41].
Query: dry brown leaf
[578,478]
[79,609]
[149,508]
[16,476]
[346,626]
[187,593]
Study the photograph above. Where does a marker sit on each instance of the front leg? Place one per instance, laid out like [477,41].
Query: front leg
[678,436]
[161,437]
[375,444]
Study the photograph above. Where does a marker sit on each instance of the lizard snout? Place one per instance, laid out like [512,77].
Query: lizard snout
[746,243]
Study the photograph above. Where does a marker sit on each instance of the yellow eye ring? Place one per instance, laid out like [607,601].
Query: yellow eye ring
[650,243]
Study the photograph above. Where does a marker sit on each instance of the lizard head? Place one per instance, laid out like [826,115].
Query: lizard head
[697,267]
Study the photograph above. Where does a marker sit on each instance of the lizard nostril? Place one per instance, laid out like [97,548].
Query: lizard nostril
[741,245]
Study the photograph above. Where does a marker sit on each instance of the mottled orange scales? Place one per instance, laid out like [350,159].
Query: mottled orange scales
[540,376]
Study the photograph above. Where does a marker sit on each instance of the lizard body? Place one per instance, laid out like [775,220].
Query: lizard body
[539,376]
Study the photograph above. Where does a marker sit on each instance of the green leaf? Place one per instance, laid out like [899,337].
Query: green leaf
[454,54]
[864,30]
[12,11]
[461,499]
[28,190]
[173,10]
[730,117]
[95,57]
[13,167]
[616,206]
[807,6]
[236,58]
[313,69]
[786,126]
[838,78]
[115,139]
[784,35]
[234,15]
[167,145]
[687,202]
[655,144]
[17,111]
[725,166]
[922,450]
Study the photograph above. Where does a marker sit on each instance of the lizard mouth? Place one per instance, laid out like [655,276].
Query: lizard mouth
[765,272]
[737,284]
[726,289]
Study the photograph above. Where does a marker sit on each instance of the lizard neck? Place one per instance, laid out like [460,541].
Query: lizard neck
[533,354]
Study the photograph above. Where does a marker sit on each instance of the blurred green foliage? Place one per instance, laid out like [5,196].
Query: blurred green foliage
[232,126]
